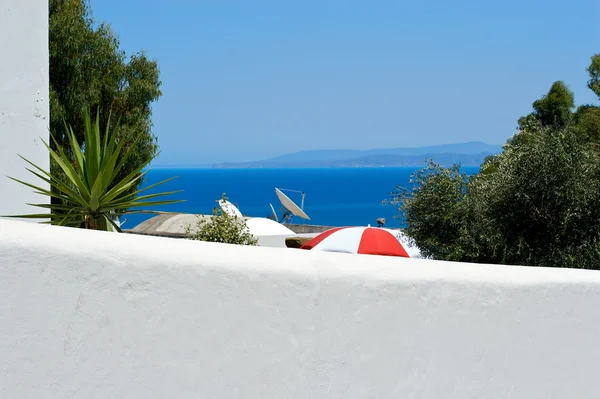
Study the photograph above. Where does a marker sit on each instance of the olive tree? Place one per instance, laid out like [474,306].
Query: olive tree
[539,207]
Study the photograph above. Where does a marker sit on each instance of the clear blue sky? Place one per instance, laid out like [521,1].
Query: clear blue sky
[244,80]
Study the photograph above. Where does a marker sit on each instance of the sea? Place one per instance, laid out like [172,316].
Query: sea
[333,196]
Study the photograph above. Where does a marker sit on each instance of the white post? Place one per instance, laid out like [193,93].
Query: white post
[24,106]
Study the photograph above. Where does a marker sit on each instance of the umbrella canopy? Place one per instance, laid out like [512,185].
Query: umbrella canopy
[358,240]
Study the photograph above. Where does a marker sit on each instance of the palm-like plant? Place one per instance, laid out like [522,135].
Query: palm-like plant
[91,197]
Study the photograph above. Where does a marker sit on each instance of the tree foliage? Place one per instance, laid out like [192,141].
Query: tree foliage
[88,71]
[586,122]
[223,228]
[434,207]
[594,71]
[540,207]
[541,204]
[554,109]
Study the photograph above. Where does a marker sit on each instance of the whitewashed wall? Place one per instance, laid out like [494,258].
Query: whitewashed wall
[24,112]
[106,315]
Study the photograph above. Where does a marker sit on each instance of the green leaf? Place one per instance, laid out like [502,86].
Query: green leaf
[68,193]
[125,184]
[162,194]
[53,206]
[136,193]
[113,224]
[92,151]
[108,145]
[63,161]
[36,216]
[150,203]
[108,168]
[118,203]
[39,190]
[128,153]
[156,185]
[76,150]
[96,193]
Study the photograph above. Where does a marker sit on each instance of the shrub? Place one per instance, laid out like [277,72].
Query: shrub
[221,227]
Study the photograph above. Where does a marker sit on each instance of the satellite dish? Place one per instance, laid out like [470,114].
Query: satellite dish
[290,206]
[117,221]
[230,209]
[266,227]
[273,212]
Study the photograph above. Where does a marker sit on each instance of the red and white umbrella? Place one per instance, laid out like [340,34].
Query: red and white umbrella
[358,240]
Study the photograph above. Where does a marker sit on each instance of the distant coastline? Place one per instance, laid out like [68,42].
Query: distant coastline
[377,161]
[235,167]
[465,154]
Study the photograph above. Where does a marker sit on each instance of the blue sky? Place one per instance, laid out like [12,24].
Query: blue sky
[243,80]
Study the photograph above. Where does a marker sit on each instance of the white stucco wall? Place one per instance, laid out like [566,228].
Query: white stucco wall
[105,315]
[24,111]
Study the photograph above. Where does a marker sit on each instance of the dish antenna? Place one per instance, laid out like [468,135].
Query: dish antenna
[118,221]
[230,209]
[289,208]
[273,213]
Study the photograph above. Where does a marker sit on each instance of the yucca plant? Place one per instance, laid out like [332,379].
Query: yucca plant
[92,197]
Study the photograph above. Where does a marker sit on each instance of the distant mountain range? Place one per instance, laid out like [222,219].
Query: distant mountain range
[467,154]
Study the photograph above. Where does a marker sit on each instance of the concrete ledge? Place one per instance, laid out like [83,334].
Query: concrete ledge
[296,241]
[309,228]
[97,315]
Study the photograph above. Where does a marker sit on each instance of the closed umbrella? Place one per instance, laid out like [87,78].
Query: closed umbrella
[358,240]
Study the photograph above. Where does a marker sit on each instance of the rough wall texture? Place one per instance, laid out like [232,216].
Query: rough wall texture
[102,315]
[24,113]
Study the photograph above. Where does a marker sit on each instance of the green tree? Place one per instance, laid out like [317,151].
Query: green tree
[587,123]
[555,109]
[434,208]
[594,71]
[221,227]
[89,71]
[587,117]
[540,207]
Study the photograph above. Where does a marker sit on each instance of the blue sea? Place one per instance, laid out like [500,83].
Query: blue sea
[333,197]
